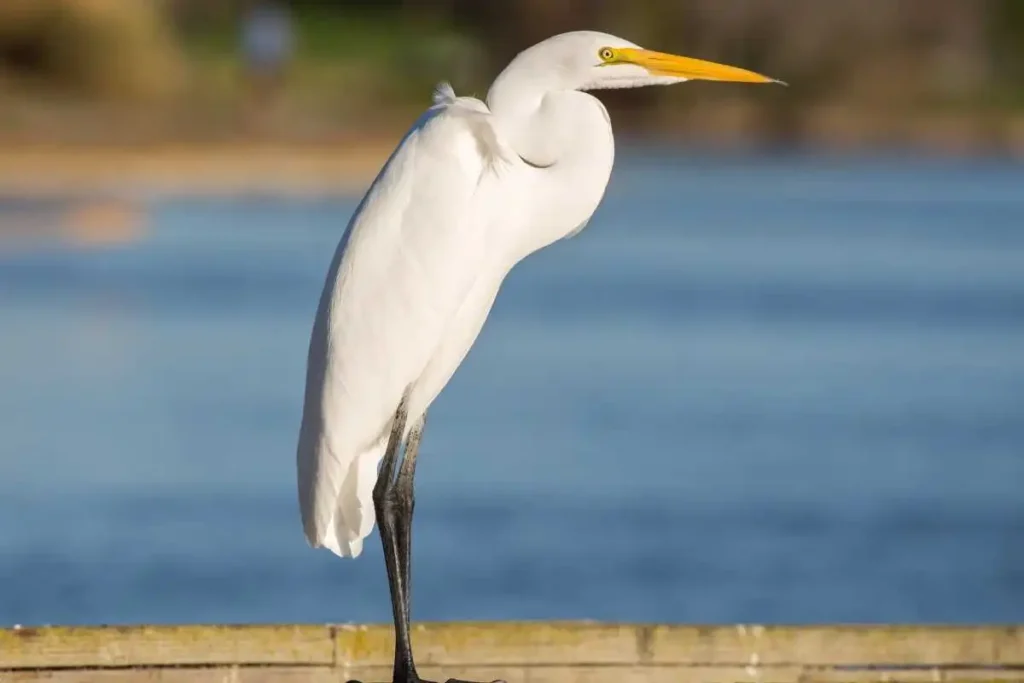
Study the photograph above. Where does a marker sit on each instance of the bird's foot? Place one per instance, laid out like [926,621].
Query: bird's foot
[417,679]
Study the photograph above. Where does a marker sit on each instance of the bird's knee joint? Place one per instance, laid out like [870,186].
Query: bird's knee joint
[394,503]
[380,496]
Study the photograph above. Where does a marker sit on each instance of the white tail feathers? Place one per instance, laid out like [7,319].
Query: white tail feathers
[335,479]
[352,517]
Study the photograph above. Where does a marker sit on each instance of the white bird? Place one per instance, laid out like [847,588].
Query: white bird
[473,188]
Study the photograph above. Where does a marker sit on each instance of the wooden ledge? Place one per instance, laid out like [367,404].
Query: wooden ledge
[548,645]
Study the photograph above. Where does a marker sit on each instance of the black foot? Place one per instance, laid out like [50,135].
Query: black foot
[417,679]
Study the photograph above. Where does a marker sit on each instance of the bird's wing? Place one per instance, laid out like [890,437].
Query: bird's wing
[408,258]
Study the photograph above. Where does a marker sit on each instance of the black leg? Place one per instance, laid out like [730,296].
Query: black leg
[407,505]
[385,503]
[393,501]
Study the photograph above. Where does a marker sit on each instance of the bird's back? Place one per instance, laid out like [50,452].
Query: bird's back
[408,260]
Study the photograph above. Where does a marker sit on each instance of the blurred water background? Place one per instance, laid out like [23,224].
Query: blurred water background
[766,384]
[769,390]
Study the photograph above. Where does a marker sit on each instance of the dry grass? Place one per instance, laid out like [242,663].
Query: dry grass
[108,49]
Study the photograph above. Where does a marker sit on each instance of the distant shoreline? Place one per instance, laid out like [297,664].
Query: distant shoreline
[35,169]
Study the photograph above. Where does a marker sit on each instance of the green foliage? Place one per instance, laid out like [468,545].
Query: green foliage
[363,60]
[1007,35]
[1006,45]
[352,59]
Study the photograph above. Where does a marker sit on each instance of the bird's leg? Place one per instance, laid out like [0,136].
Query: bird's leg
[389,514]
[407,504]
[394,500]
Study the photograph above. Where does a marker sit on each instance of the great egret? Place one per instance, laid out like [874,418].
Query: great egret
[473,188]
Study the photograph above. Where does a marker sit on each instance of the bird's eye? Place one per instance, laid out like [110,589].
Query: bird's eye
[605,53]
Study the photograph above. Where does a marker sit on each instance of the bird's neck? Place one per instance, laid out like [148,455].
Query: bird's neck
[568,134]
[522,105]
[545,127]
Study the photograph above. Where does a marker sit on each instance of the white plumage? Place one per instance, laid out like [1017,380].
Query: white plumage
[410,258]
[472,189]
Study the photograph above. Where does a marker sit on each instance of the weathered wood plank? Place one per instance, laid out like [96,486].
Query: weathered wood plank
[512,645]
[271,674]
[835,645]
[914,676]
[1014,675]
[494,644]
[537,674]
[660,674]
[382,674]
[110,646]
[824,675]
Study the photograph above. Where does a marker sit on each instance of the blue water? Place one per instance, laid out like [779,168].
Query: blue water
[769,390]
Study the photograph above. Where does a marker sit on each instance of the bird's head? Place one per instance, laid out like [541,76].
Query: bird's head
[590,60]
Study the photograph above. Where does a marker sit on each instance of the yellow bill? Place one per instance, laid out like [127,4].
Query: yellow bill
[663,64]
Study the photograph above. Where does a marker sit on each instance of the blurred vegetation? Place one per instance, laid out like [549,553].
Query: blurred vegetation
[861,71]
[106,49]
